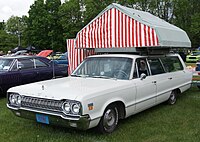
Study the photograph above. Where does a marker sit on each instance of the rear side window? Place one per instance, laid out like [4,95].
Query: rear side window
[156,66]
[40,64]
[25,64]
[172,64]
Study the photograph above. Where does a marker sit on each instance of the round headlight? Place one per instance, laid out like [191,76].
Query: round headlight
[66,107]
[18,100]
[76,108]
[12,99]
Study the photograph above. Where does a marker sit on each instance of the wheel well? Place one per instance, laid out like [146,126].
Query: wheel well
[120,107]
[177,91]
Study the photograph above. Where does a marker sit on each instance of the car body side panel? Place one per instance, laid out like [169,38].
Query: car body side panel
[100,101]
[146,93]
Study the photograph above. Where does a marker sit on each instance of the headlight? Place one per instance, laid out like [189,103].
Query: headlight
[67,107]
[12,99]
[76,108]
[18,100]
[71,107]
[15,99]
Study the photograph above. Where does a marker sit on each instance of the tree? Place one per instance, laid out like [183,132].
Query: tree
[186,14]
[43,25]
[55,30]
[7,41]
[16,26]
[71,18]
[164,9]
[94,7]
[195,30]
[2,25]
[37,26]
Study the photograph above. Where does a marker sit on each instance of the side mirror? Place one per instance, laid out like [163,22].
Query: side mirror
[143,76]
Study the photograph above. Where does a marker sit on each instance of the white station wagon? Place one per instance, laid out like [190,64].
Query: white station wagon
[102,90]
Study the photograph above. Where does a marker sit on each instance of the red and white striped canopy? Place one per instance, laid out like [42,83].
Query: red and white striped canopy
[118,27]
[115,29]
[76,56]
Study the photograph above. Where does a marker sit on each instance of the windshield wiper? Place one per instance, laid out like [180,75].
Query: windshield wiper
[105,77]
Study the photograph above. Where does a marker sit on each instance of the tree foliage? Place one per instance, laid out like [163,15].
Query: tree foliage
[50,22]
[7,41]
[71,18]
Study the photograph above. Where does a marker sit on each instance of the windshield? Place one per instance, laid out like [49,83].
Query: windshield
[195,53]
[5,64]
[105,67]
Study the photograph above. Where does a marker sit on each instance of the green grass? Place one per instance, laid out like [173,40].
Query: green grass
[162,123]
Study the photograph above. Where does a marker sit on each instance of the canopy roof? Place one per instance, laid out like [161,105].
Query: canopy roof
[119,26]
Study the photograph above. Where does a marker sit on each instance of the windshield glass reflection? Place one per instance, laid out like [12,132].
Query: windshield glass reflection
[5,64]
[105,67]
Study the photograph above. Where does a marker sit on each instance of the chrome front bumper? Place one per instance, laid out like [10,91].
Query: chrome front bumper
[82,122]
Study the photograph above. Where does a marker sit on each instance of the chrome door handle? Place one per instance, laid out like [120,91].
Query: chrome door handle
[153,81]
[170,78]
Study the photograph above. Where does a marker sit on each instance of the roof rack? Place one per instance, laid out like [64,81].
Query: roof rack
[136,50]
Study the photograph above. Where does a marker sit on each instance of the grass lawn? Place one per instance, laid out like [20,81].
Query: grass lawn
[162,123]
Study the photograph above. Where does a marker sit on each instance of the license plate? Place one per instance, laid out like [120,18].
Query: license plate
[42,118]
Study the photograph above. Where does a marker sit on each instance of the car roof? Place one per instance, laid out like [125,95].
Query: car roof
[131,55]
[19,57]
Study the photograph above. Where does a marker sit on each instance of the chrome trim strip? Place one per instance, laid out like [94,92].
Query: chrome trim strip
[155,96]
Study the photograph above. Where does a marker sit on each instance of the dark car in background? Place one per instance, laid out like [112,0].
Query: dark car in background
[18,70]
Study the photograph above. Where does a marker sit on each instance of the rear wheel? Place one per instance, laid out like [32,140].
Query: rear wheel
[172,99]
[109,120]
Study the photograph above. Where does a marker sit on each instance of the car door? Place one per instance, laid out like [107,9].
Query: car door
[27,71]
[43,69]
[163,80]
[146,87]
[10,78]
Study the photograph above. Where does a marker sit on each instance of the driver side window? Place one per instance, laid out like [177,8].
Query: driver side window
[142,66]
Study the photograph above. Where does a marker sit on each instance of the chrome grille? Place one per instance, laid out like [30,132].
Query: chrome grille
[40,103]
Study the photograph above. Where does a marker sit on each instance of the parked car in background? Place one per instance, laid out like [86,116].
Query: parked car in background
[198,65]
[198,74]
[18,70]
[193,57]
[45,53]
[62,59]
[102,90]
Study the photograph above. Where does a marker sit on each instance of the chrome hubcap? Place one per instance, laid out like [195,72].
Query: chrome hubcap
[109,118]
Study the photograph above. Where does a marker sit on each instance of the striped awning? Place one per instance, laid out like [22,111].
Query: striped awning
[76,56]
[119,27]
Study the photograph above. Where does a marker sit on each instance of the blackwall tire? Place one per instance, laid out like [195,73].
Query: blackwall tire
[172,99]
[109,120]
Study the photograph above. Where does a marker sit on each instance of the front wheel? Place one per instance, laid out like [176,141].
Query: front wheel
[172,99]
[109,120]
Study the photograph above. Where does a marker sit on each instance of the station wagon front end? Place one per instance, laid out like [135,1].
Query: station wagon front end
[49,111]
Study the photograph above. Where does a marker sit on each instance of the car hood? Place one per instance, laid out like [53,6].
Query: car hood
[73,88]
